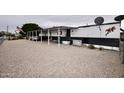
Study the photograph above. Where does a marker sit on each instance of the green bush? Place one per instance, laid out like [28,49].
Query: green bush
[91,46]
[100,48]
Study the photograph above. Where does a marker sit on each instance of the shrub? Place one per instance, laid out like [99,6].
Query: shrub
[14,38]
[91,46]
[100,48]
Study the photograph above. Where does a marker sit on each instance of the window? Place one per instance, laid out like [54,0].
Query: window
[60,32]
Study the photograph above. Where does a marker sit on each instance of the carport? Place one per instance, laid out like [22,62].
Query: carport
[60,33]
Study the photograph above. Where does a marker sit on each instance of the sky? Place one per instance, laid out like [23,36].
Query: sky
[45,21]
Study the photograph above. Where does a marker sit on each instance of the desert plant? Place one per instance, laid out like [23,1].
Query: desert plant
[91,46]
[100,48]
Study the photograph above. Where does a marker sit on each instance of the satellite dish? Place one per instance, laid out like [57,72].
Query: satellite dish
[119,18]
[99,20]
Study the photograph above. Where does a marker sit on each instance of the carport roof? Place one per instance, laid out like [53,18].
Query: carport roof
[60,27]
[67,27]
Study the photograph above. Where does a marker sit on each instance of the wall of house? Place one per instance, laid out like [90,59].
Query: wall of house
[55,33]
[92,35]
[44,33]
[94,32]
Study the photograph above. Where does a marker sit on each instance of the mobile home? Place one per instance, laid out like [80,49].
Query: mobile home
[107,35]
[91,34]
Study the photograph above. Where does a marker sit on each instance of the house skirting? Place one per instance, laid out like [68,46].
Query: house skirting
[114,42]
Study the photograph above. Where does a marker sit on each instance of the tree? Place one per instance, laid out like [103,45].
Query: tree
[29,27]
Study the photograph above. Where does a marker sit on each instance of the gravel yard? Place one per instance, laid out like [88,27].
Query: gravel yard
[23,58]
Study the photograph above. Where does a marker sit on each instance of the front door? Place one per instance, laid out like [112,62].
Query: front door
[68,33]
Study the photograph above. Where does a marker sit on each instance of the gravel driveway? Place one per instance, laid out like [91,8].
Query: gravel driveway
[23,58]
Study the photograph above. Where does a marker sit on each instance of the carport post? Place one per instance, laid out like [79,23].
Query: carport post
[48,36]
[36,36]
[26,35]
[58,36]
[29,35]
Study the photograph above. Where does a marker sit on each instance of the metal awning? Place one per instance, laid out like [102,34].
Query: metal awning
[60,27]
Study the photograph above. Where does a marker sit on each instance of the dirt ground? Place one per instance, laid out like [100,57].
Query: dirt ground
[28,59]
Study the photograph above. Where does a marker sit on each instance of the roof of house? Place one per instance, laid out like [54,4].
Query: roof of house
[97,25]
[60,27]
[67,27]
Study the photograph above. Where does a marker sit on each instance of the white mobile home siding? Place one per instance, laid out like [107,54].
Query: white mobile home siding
[44,33]
[94,32]
[55,33]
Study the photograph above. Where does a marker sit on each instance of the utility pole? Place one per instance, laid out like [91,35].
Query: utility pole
[48,33]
